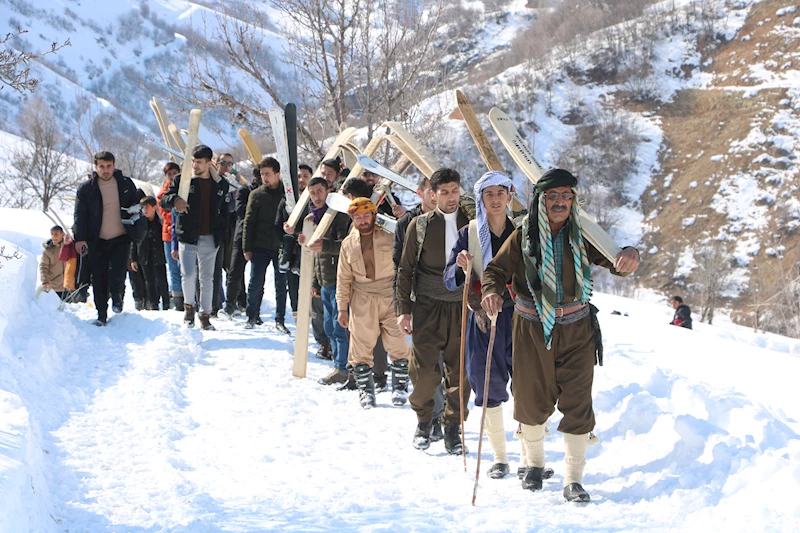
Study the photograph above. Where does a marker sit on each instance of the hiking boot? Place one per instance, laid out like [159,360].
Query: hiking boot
[399,382]
[205,322]
[280,326]
[366,385]
[533,478]
[436,430]
[337,376]
[452,440]
[498,471]
[324,352]
[574,492]
[422,440]
[188,315]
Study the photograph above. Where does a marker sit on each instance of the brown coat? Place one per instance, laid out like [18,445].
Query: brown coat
[51,269]
[545,378]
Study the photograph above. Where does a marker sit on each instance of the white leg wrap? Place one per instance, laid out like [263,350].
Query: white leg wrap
[533,441]
[575,457]
[496,433]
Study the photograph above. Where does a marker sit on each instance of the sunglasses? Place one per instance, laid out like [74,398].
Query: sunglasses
[226,163]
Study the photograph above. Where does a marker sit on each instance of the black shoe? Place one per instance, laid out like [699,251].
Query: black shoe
[452,440]
[498,471]
[366,385]
[400,382]
[214,313]
[177,299]
[139,305]
[381,383]
[422,440]
[520,472]
[575,493]
[117,307]
[100,322]
[251,323]
[259,321]
[436,430]
[547,474]
[533,478]
[280,326]
[350,384]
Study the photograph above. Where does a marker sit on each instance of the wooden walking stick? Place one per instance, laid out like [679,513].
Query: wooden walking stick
[462,358]
[493,319]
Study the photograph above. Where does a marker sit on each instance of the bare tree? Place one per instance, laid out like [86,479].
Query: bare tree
[39,169]
[712,277]
[15,70]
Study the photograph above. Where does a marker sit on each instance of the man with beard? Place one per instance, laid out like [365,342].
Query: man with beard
[556,337]
[99,230]
[364,283]
[436,310]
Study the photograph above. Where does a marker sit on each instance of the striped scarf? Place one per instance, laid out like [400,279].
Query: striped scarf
[545,271]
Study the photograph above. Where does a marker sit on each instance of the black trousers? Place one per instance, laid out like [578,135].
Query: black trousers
[235,290]
[216,302]
[293,281]
[155,277]
[318,322]
[109,261]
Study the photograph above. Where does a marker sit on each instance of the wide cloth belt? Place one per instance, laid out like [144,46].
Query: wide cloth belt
[433,287]
[566,314]
[382,287]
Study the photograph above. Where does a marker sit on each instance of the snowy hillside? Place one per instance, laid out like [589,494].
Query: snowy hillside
[147,426]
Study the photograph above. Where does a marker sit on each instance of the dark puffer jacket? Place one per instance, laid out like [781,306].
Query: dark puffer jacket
[187,226]
[260,228]
[89,205]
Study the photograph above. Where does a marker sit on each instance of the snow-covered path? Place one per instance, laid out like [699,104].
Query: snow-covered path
[158,428]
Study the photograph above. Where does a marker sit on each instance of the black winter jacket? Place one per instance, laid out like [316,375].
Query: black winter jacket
[187,226]
[151,249]
[260,228]
[89,205]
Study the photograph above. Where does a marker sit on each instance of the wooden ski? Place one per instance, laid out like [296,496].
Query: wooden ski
[175,133]
[427,163]
[191,143]
[278,123]
[341,203]
[488,154]
[523,156]
[290,112]
[373,166]
[251,146]
[163,129]
[303,322]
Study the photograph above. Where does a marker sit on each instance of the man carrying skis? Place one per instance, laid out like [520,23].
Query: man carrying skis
[478,243]
[364,283]
[556,338]
[326,260]
[200,226]
[436,310]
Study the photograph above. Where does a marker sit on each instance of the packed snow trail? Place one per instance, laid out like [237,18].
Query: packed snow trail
[158,428]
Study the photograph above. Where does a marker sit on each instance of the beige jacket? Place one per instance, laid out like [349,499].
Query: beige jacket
[51,270]
[352,271]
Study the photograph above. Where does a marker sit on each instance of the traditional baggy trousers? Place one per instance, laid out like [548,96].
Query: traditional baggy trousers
[436,327]
[373,316]
[477,350]
[560,376]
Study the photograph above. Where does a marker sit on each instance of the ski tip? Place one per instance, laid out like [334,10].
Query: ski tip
[461,98]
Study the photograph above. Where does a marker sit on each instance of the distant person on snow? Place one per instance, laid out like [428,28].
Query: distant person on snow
[556,337]
[51,269]
[148,258]
[683,315]
[201,225]
[170,171]
[99,230]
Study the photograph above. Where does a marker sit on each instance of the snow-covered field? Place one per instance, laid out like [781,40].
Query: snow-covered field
[145,426]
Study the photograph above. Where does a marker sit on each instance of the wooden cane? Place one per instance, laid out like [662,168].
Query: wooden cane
[493,319]
[464,309]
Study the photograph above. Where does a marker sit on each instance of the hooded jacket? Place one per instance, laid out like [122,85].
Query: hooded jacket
[51,269]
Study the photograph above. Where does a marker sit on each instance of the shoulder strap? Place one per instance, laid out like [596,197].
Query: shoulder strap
[422,229]
[475,249]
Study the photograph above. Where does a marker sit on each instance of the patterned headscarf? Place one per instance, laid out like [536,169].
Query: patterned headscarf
[361,205]
[490,179]
[537,251]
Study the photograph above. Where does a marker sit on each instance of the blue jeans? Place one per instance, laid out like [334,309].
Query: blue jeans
[174,268]
[258,271]
[340,345]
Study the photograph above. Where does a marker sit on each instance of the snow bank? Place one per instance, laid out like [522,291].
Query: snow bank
[21,483]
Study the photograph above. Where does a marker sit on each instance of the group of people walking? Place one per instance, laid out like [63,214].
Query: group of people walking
[530,285]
